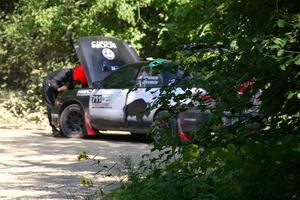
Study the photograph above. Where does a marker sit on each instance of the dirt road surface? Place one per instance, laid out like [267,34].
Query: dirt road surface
[35,165]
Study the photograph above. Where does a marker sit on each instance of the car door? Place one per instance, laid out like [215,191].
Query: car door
[138,111]
[140,99]
[107,105]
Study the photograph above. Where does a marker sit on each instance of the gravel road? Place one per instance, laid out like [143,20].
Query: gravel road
[35,165]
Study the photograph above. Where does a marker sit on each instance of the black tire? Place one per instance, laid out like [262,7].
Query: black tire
[72,122]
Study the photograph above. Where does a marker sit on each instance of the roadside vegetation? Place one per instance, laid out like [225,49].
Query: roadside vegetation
[15,111]
[237,41]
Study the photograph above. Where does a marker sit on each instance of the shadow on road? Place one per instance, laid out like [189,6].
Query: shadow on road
[122,138]
[142,138]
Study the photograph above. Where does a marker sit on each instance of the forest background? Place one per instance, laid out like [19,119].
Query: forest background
[238,40]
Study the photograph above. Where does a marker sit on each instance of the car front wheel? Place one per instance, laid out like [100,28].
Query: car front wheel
[72,121]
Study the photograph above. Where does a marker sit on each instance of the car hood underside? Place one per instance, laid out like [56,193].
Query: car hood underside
[101,56]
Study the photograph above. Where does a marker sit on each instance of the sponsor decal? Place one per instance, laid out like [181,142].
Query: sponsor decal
[103,44]
[108,54]
[84,92]
[150,80]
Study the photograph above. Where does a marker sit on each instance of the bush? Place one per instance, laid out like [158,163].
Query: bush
[238,40]
[17,109]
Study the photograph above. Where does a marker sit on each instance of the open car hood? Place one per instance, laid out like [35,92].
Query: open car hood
[101,56]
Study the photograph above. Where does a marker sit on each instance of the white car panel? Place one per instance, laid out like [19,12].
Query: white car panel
[108,104]
[142,98]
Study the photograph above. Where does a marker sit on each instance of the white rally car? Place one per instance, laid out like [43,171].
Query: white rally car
[121,88]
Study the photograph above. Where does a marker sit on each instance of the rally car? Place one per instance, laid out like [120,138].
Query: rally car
[121,88]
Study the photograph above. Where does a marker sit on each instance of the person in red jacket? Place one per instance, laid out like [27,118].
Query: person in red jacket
[59,81]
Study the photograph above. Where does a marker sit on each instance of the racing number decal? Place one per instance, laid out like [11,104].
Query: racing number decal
[97,99]
[102,101]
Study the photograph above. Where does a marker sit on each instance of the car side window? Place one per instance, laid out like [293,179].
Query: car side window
[123,78]
[146,79]
[154,78]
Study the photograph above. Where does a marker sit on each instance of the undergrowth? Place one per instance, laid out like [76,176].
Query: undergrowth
[16,109]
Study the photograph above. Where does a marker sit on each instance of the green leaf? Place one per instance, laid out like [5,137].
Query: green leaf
[290,95]
[281,23]
[231,147]
[283,67]
[297,61]
[280,52]
[298,95]
[275,46]
[280,41]
[297,148]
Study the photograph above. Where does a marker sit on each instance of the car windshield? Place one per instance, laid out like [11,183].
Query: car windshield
[123,78]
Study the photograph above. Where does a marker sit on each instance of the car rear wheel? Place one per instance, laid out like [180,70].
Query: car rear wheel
[72,122]
[164,124]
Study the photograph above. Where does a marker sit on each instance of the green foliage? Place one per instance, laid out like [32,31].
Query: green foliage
[239,41]
[17,111]
[85,181]
[38,37]
[83,155]
[256,171]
